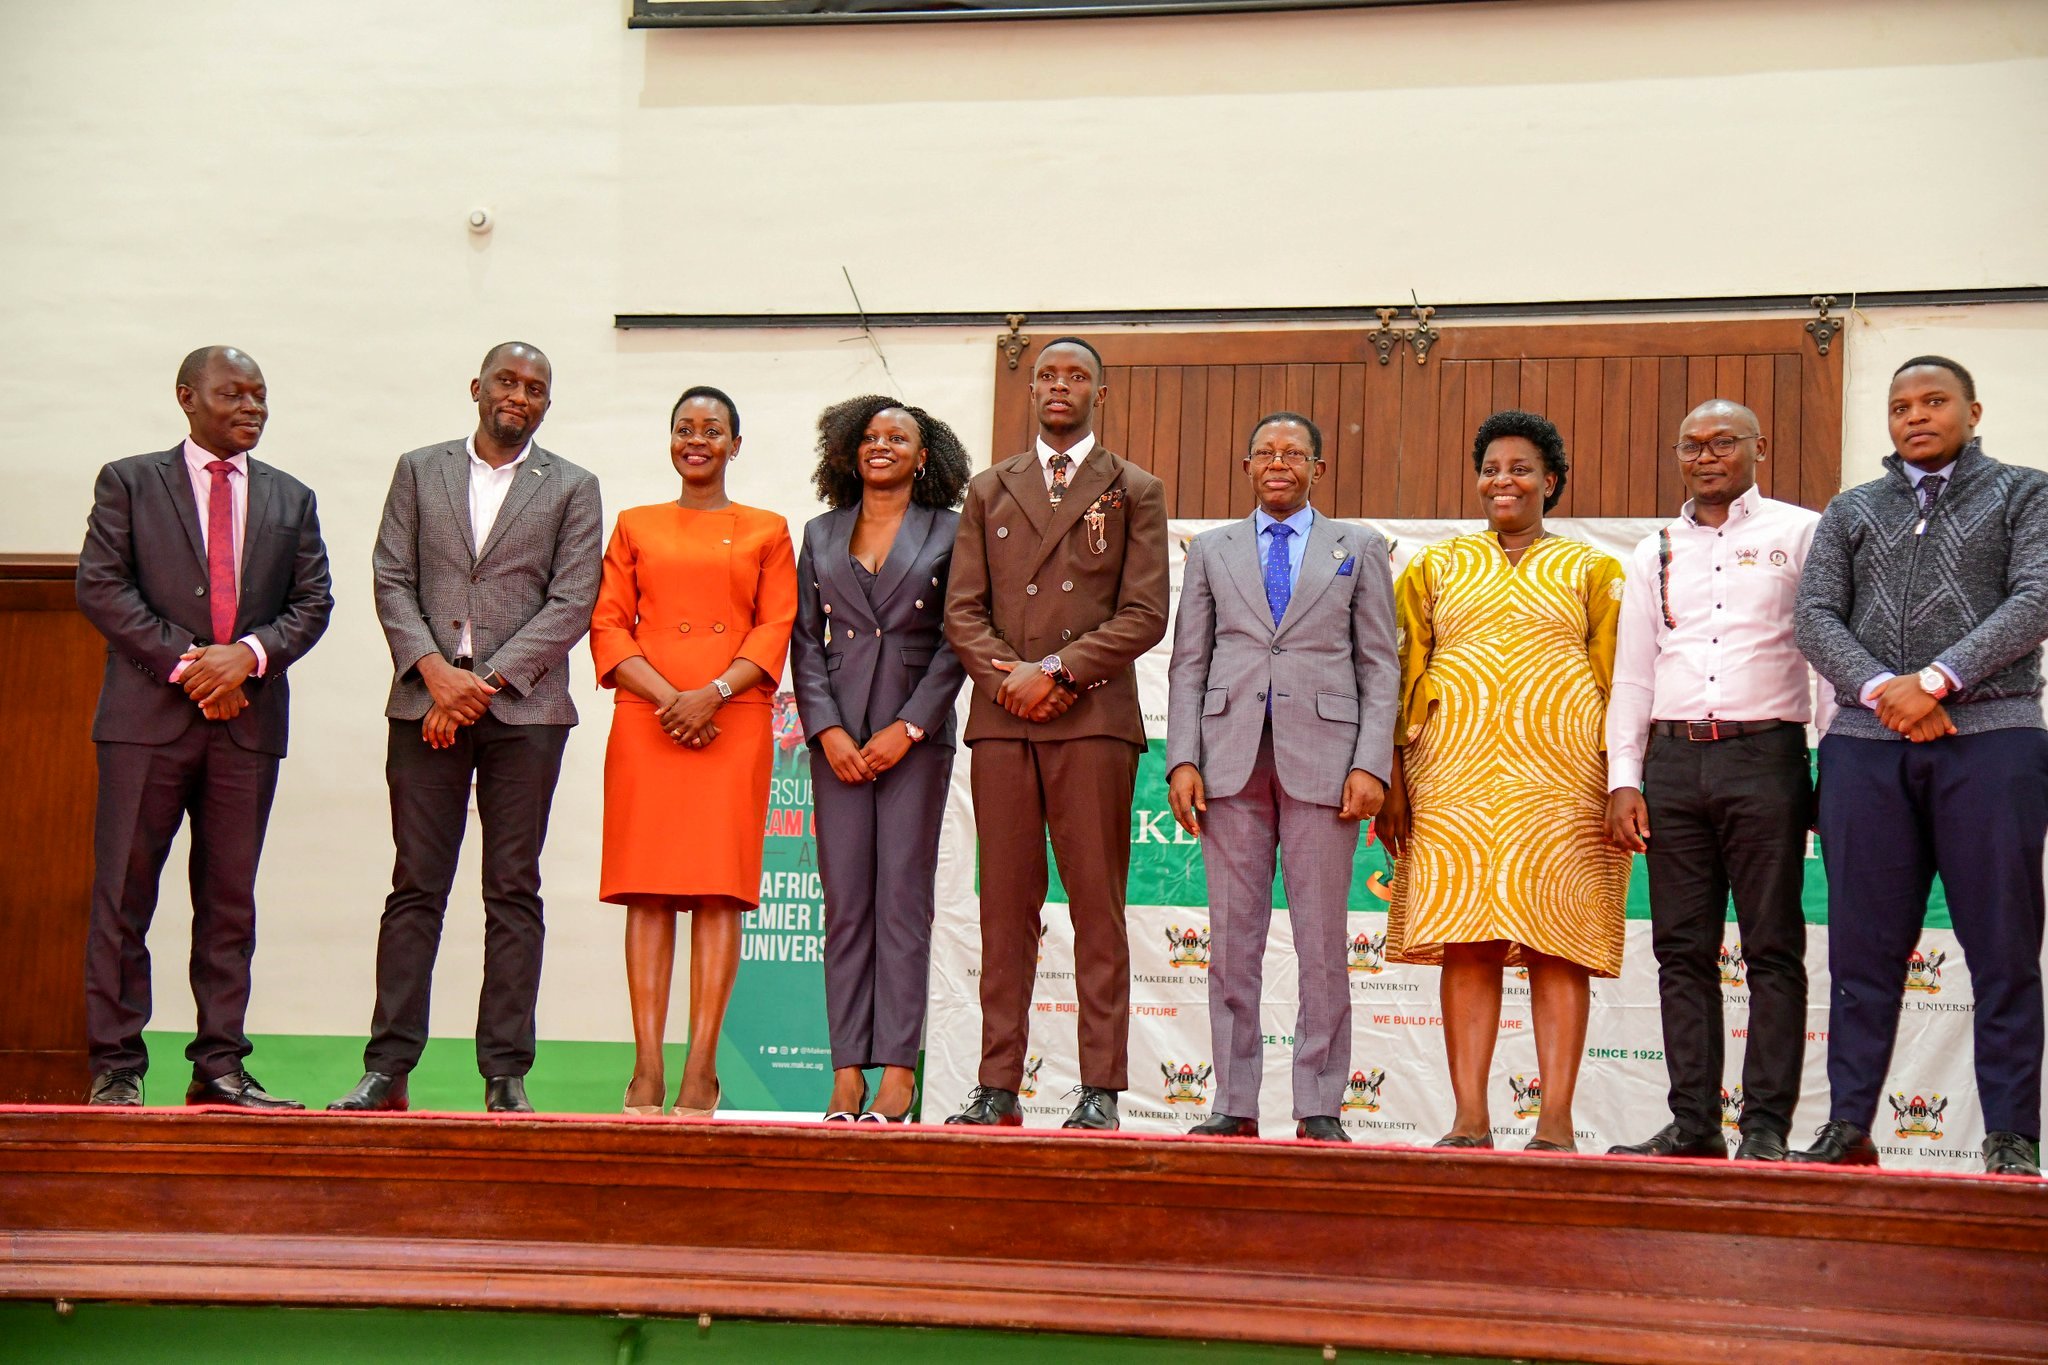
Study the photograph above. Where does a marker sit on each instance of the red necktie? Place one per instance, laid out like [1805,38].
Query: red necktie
[220,551]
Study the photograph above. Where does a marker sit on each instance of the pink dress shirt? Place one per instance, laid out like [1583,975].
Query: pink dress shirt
[196,460]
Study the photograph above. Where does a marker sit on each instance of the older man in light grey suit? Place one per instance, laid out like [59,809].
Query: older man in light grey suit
[487,567]
[1280,733]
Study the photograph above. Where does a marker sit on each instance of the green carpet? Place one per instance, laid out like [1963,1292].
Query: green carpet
[274,1336]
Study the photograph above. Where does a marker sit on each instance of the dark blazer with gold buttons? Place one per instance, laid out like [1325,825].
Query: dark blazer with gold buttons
[1086,580]
[853,659]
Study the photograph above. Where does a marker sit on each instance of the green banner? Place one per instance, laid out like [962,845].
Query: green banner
[1166,864]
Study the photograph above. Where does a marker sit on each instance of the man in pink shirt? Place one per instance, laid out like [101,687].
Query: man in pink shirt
[205,571]
[1708,774]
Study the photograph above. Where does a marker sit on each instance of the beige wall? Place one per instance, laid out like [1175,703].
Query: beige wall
[247,172]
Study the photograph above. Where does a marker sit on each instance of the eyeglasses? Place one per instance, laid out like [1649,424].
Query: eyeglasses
[1724,446]
[1293,459]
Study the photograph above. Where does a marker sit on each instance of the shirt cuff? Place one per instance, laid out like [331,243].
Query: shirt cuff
[1868,693]
[1623,772]
[256,648]
[1955,684]
[178,673]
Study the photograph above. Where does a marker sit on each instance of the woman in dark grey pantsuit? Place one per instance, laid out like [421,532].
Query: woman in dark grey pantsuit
[875,683]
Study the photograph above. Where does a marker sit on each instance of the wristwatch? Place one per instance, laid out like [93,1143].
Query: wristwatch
[724,689]
[1934,682]
[1056,670]
[494,680]
[916,735]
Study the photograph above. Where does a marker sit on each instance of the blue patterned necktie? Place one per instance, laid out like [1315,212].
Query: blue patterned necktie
[1278,590]
[1930,489]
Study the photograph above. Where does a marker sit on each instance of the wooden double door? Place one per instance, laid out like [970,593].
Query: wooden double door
[1398,436]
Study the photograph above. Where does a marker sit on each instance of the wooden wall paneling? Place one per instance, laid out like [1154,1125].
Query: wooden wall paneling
[1216,444]
[1644,373]
[1758,393]
[1166,432]
[1379,387]
[1113,408]
[1415,487]
[46,809]
[1694,374]
[1247,408]
[1301,389]
[1194,449]
[1458,482]
[1588,422]
[1786,390]
[1326,409]
[1820,424]
[1555,384]
[1143,418]
[1615,397]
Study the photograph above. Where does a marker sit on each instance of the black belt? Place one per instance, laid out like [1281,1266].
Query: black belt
[1707,731]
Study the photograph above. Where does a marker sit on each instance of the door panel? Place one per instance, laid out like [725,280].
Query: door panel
[1398,436]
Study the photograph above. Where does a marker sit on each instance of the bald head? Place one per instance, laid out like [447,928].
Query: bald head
[1723,411]
[508,350]
[1719,444]
[195,365]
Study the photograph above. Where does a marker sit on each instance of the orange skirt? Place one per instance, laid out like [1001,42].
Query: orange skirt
[680,821]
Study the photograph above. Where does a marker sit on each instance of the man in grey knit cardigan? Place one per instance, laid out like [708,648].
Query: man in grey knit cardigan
[1924,602]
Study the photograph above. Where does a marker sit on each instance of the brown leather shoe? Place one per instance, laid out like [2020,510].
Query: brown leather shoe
[239,1089]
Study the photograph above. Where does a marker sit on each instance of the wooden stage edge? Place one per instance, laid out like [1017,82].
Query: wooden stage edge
[1503,1254]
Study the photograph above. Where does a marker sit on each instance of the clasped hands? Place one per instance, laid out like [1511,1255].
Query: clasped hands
[213,678]
[853,763]
[1030,693]
[460,698]
[1904,706]
[1362,799]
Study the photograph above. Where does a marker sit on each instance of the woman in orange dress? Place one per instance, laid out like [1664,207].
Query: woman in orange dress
[691,628]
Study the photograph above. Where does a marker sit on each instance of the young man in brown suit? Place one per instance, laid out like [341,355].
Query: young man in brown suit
[1058,585]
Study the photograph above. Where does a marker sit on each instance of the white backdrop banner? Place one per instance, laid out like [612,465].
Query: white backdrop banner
[1399,1090]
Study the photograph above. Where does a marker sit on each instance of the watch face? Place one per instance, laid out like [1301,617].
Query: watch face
[1050,663]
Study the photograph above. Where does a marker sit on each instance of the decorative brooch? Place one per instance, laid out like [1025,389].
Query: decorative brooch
[1097,517]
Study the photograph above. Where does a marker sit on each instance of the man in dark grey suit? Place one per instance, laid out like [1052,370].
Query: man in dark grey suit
[1280,730]
[486,568]
[205,570]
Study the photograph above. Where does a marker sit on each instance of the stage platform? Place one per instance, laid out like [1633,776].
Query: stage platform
[1485,1254]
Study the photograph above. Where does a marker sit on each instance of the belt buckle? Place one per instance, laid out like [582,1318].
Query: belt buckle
[1703,731]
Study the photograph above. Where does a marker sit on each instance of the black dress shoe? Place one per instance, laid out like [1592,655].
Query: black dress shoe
[1460,1140]
[1762,1144]
[1321,1128]
[1096,1111]
[2011,1154]
[1839,1142]
[376,1091]
[990,1107]
[1536,1144]
[239,1089]
[1224,1125]
[1672,1140]
[506,1095]
[120,1087]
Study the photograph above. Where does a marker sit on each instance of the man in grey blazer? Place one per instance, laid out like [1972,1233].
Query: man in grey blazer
[486,571]
[1280,731]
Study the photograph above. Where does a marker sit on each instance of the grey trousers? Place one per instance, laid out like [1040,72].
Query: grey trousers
[1241,835]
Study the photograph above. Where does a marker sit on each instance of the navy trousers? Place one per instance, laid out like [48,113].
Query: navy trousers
[1973,808]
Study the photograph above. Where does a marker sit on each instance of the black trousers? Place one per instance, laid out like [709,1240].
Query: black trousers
[514,768]
[1730,816]
[146,791]
[1973,808]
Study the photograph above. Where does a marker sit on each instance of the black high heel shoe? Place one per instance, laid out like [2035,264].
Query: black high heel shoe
[870,1116]
[853,1115]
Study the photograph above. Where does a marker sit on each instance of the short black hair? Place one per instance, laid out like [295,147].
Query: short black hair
[1942,362]
[1315,433]
[1076,341]
[719,396]
[840,428]
[491,356]
[1537,431]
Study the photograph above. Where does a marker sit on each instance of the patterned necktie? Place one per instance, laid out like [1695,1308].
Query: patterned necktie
[1278,589]
[1930,489]
[220,551]
[1060,464]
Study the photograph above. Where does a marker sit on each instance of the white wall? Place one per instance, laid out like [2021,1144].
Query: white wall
[294,182]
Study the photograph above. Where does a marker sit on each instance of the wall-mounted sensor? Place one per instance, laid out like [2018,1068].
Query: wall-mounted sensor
[480,221]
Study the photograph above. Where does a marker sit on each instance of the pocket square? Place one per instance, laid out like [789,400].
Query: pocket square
[1344,569]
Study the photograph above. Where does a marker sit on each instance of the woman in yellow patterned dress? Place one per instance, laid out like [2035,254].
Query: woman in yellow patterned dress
[1496,812]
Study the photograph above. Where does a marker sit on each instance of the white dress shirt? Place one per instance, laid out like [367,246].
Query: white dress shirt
[1077,455]
[1730,656]
[487,490]
[197,457]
